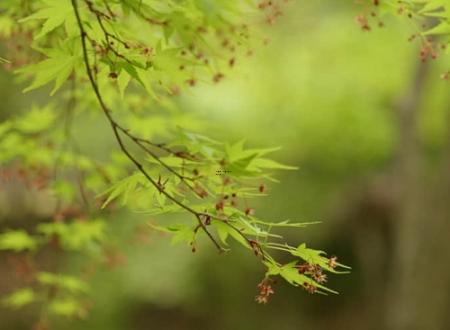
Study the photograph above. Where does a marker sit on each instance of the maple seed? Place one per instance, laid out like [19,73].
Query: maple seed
[193,248]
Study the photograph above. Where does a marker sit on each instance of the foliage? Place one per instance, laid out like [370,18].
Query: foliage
[127,60]
[430,18]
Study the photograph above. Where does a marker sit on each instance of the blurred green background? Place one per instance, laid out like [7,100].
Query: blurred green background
[368,125]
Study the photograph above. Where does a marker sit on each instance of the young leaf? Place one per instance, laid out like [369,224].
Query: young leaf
[18,240]
[20,298]
[54,12]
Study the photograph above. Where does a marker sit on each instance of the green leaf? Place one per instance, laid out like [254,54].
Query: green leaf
[38,119]
[224,230]
[265,163]
[70,283]
[54,12]
[179,232]
[123,188]
[432,5]
[122,82]
[59,65]
[144,81]
[18,240]
[316,257]
[67,307]
[290,273]
[442,28]
[77,235]
[20,298]
[240,166]
[4,60]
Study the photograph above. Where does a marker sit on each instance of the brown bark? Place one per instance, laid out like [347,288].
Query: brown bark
[418,290]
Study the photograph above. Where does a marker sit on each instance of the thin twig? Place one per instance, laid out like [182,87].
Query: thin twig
[115,127]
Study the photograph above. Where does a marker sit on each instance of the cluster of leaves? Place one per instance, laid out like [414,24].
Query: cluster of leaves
[139,54]
[429,18]
[59,294]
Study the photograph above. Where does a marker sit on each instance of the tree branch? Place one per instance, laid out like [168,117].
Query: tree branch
[116,128]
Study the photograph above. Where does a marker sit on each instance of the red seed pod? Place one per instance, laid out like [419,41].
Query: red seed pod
[220,205]
[147,50]
[208,220]
[191,82]
[363,22]
[182,154]
[218,77]
[226,181]
[175,90]
[262,188]
[249,211]
[200,191]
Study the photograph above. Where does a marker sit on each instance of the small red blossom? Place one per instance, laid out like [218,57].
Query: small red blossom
[320,277]
[265,290]
[332,262]
[311,288]
[304,268]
